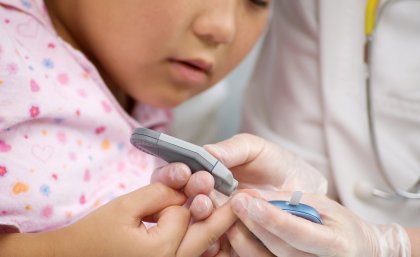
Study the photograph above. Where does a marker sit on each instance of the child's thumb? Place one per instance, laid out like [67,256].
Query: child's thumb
[151,199]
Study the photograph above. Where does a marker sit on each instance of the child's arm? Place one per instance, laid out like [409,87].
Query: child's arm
[23,245]
[115,229]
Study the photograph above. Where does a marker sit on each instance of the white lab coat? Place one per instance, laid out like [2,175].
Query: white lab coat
[308,95]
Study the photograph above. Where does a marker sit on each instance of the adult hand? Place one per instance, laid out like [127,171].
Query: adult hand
[343,234]
[259,164]
[256,163]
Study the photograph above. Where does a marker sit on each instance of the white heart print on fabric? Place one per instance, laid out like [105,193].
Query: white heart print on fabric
[28,29]
[42,153]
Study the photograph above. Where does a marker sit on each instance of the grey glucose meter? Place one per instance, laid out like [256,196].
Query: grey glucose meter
[172,149]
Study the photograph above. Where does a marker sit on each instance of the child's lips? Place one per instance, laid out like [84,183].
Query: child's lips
[199,64]
[206,67]
[195,72]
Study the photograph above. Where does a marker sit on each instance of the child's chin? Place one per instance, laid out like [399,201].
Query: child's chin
[168,103]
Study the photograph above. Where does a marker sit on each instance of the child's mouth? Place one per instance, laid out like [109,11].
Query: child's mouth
[191,71]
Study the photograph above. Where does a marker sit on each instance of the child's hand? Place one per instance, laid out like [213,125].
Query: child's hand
[117,229]
[197,187]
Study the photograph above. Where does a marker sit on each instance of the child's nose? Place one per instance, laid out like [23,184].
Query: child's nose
[217,22]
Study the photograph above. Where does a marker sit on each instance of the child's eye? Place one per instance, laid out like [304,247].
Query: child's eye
[260,3]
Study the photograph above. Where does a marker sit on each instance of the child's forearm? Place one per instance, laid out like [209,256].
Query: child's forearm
[26,245]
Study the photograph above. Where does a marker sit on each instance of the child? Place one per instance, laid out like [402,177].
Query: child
[64,148]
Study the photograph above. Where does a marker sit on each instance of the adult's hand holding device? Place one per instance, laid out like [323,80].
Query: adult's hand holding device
[196,158]
[260,164]
[343,234]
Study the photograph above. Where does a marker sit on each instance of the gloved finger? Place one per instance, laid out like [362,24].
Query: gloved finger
[201,207]
[174,175]
[303,177]
[200,182]
[254,160]
[274,244]
[172,224]
[244,243]
[218,198]
[297,232]
[253,240]
[237,150]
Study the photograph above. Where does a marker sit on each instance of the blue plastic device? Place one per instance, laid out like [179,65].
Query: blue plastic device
[300,210]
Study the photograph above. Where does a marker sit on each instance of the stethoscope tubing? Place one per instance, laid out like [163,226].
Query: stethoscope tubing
[370,38]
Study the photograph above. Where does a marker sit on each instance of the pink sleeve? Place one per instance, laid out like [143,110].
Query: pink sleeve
[17,103]
[64,140]
[15,110]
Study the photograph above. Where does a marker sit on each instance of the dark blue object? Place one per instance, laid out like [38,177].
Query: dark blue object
[300,210]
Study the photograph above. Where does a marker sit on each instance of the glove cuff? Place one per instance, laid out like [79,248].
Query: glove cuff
[393,241]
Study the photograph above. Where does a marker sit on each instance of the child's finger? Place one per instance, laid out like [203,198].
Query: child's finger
[201,235]
[178,176]
[174,175]
[200,182]
[201,207]
[172,224]
[149,200]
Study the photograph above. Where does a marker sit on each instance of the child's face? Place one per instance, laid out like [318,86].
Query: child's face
[162,52]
